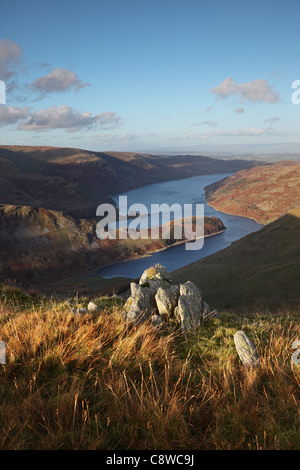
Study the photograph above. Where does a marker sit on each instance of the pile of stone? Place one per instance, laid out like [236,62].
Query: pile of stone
[157,298]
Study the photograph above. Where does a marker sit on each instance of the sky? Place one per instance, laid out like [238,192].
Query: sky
[136,75]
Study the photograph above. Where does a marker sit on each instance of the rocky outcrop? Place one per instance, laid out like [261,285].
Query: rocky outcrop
[157,298]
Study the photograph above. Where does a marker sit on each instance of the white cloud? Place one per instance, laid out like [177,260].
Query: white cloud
[12,114]
[10,57]
[59,80]
[64,117]
[255,91]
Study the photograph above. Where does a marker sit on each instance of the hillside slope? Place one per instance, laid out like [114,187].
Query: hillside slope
[260,269]
[264,193]
[38,245]
[76,181]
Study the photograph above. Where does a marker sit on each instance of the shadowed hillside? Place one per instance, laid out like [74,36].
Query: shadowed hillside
[76,181]
[262,268]
[39,245]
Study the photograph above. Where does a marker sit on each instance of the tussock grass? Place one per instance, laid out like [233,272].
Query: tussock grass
[93,382]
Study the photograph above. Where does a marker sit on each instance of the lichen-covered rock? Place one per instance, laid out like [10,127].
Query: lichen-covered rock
[155,277]
[166,300]
[246,349]
[140,305]
[189,309]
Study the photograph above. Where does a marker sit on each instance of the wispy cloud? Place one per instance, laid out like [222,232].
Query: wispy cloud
[253,131]
[272,120]
[255,91]
[205,123]
[10,58]
[58,80]
[239,110]
[12,114]
[107,138]
[64,117]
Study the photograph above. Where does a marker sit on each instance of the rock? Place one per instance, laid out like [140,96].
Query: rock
[93,307]
[166,300]
[156,320]
[157,297]
[79,311]
[155,272]
[155,277]
[296,354]
[246,349]
[140,305]
[189,309]
[2,352]
[82,310]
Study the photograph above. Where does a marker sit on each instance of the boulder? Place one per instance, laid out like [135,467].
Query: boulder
[189,309]
[166,300]
[155,277]
[246,349]
[140,305]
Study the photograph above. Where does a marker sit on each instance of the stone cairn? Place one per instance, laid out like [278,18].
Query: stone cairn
[158,299]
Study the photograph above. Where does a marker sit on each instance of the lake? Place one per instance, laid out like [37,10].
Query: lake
[184,191]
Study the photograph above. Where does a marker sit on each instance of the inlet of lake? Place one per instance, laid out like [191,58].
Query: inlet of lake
[184,191]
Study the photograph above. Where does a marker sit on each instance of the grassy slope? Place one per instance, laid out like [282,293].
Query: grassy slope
[89,382]
[262,268]
[264,193]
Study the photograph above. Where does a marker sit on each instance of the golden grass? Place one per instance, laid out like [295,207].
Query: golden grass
[92,382]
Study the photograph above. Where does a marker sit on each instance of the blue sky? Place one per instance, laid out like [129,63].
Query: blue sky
[147,75]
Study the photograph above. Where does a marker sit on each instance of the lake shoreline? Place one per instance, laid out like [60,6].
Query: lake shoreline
[146,255]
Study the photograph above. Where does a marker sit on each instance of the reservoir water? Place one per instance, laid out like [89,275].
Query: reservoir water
[185,191]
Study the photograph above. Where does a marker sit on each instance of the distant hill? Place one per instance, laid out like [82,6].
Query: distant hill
[264,193]
[76,181]
[261,269]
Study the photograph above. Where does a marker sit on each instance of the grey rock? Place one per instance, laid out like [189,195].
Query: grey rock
[82,310]
[166,300]
[140,305]
[156,320]
[189,309]
[155,277]
[93,307]
[246,349]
